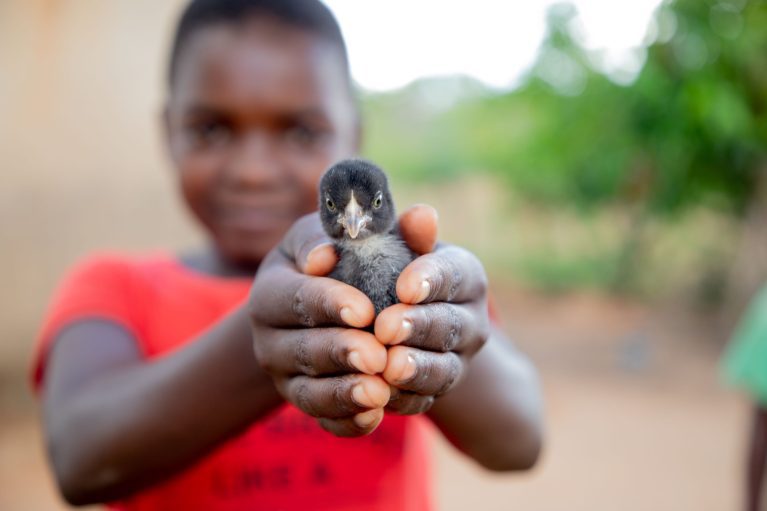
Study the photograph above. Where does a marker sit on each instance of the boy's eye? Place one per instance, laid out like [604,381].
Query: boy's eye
[303,135]
[210,133]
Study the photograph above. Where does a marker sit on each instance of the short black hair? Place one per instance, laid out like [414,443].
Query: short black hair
[309,15]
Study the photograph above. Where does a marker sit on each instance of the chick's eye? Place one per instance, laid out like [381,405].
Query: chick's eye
[377,202]
[330,204]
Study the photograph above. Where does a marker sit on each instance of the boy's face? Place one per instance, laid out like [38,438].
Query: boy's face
[256,114]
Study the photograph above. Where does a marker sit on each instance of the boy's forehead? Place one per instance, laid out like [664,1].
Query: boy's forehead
[260,62]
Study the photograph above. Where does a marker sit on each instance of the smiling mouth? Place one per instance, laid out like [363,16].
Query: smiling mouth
[254,220]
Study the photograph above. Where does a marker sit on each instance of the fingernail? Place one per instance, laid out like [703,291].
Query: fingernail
[361,397]
[313,253]
[404,331]
[423,293]
[349,317]
[355,360]
[365,420]
[409,370]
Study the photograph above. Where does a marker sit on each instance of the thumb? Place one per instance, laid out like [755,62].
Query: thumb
[418,226]
[308,246]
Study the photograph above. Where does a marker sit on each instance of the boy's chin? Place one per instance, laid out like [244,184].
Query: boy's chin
[246,250]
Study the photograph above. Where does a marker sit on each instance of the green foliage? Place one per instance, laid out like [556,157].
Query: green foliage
[688,132]
[691,127]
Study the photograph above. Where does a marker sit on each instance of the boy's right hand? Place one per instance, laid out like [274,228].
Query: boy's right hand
[305,335]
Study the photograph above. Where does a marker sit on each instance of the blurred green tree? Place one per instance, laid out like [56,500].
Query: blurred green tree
[690,128]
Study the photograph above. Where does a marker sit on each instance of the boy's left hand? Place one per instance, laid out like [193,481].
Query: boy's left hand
[441,322]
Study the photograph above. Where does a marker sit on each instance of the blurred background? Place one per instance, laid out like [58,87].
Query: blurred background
[607,162]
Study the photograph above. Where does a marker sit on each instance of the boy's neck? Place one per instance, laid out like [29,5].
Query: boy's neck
[210,261]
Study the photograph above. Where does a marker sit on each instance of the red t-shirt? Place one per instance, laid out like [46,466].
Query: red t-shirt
[284,462]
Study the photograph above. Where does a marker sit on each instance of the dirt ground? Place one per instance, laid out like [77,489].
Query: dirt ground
[636,417]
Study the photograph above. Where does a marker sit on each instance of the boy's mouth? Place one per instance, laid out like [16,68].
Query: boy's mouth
[254,219]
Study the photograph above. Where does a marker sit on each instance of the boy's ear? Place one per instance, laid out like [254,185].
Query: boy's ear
[165,124]
[165,128]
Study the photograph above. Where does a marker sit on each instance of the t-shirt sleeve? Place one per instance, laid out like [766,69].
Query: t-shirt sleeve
[99,287]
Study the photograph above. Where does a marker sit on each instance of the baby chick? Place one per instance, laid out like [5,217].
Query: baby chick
[358,213]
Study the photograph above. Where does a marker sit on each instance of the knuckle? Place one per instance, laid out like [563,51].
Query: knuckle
[454,329]
[263,356]
[300,307]
[463,262]
[341,394]
[454,280]
[303,355]
[424,373]
[302,397]
[423,319]
[265,363]
[338,354]
[455,367]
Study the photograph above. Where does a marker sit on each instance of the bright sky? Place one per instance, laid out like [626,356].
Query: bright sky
[395,42]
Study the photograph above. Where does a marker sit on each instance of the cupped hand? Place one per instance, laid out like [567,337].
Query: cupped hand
[306,335]
[441,322]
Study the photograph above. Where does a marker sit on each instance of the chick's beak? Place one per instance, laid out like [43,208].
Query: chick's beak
[354,219]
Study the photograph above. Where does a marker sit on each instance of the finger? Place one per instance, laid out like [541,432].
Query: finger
[423,372]
[282,297]
[322,352]
[451,274]
[307,245]
[319,260]
[418,226]
[361,424]
[337,396]
[408,403]
[440,326]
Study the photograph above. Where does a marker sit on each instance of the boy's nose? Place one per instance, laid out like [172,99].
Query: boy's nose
[255,162]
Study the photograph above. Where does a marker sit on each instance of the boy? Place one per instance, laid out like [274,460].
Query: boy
[153,398]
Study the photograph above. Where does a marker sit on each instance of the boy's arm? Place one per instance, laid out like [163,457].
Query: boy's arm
[450,361]
[115,423]
[494,413]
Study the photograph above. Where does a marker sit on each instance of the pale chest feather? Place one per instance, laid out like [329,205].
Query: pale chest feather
[372,265]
